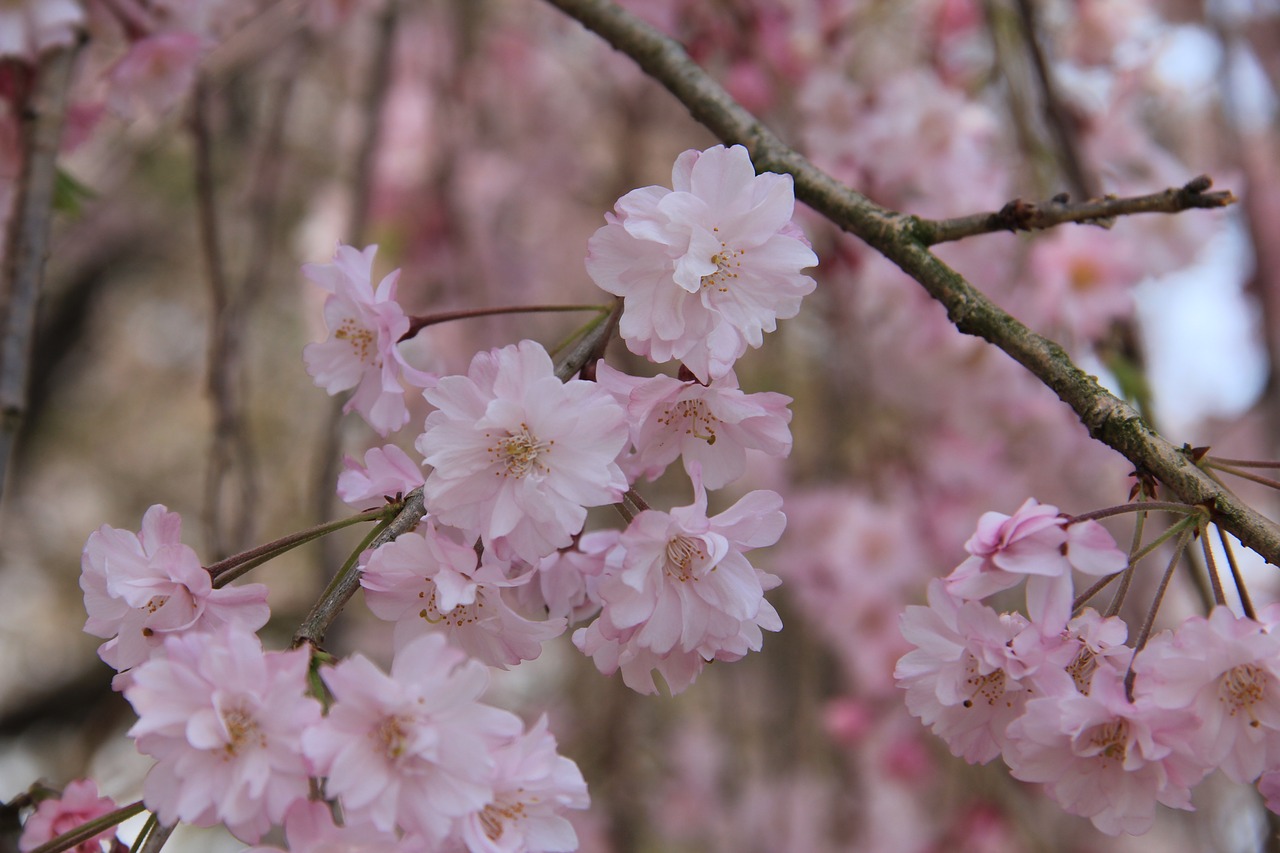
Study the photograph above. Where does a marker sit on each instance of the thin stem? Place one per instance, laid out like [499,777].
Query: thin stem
[1083,598]
[87,830]
[1117,601]
[1145,633]
[418,323]
[1136,506]
[592,345]
[1243,463]
[1174,529]
[1245,602]
[220,571]
[1211,565]
[156,838]
[1247,475]
[344,584]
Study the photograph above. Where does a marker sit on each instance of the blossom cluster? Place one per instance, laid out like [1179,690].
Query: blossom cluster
[1048,692]
[501,563]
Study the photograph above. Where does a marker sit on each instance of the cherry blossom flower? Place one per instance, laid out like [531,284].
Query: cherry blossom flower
[1105,758]
[518,455]
[965,679]
[683,576]
[387,471]
[412,749]
[707,267]
[532,784]
[28,27]
[424,580]
[140,587]
[1227,671]
[224,721]
[1037,543]
[79,804]
[678,591]
[711,425]
[365,326]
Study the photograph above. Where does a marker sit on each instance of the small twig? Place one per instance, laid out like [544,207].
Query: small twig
[591,347]
[1245,475]
[1242,463]
[1083,598]
[27,242]
[1117,600]
[1144,633]
[1211,568]
[222,571]
[418,323]
[156,838]
[1019,215]
[1243,591]
[1137,506]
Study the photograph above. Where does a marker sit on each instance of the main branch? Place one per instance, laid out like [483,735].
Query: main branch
[1108,418]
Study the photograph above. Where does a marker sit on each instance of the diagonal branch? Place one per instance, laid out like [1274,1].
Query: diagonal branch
[1107,418]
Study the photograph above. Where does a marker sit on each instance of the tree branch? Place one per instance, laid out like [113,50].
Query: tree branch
[1107,418]
[1019,215]
[27,243]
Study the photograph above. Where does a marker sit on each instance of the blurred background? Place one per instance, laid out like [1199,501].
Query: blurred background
[479,144]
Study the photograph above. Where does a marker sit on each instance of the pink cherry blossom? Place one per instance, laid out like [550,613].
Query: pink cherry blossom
[517,455]
[532,785]
[425,581]
[387,471]
[679,592]
[1105,758]
[1036,543]
[79,804]
[683,578]
[140,587]
[965,679]
[711,425]
[365,326]
[706,267]
[1226,670]
[413,749]
[224,721]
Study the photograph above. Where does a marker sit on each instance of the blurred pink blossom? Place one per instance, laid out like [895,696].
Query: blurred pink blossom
[79,804]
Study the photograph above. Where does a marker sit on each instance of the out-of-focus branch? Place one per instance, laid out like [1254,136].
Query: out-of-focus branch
[27,242]
[230,454]
[1107,418]
[1019,215]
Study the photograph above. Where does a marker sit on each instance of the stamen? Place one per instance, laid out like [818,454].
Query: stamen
[699,422]
[727,263]
[1242,687]
[989,687]
[362,340]
[520,453]
[681,554]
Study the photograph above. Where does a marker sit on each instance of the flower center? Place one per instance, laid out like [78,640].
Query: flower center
[495,816]
[697,418]
[458,617]
[1242,687]
[1082,668]
[390,736]
[363,341]
[519,453]
[1109,740]
[727,263]
[242,730]
[683,555]
[989,686]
